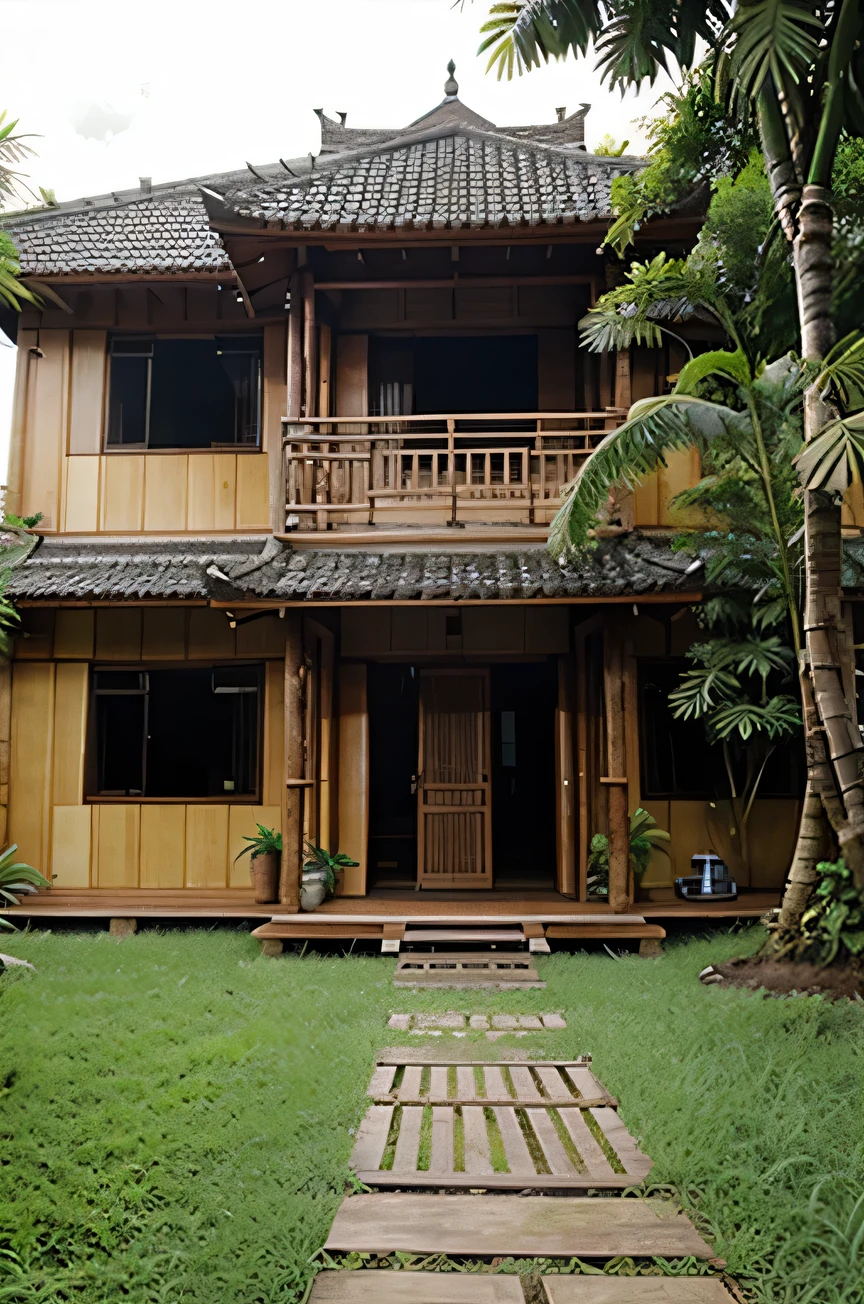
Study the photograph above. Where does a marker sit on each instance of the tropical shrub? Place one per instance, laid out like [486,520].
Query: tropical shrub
[17,876]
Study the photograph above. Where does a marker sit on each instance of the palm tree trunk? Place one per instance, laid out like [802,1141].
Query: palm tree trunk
[809,850]
[823,620]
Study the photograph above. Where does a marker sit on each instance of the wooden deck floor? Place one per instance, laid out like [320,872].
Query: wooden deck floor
[214,903]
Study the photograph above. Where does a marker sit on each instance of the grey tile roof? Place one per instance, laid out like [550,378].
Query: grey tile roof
[461,178]
[162,233]
[239,568]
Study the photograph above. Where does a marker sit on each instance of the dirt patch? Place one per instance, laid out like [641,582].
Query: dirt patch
[780,979]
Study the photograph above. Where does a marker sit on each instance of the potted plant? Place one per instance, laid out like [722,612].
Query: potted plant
[645,837]
[266,851]
[320,875]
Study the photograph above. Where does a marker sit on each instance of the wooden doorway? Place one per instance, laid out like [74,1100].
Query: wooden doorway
[454,814]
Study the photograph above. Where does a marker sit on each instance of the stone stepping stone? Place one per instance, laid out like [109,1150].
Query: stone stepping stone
[526,1226]
[452,1021]
[635,1290]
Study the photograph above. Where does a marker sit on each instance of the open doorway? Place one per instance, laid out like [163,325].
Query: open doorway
[522,774]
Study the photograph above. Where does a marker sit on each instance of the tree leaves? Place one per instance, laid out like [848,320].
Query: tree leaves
[835,459]
[771,38]
[522,34]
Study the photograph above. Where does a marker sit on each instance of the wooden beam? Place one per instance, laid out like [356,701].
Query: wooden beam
[565,776]
[616,761]
[292,797]
[453,282]
[310,343]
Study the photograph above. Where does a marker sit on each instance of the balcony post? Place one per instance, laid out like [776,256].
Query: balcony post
[292,794]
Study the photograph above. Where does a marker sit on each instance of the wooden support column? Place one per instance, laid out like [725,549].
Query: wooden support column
[294,370]
[565,775]
[292,795]
[310,343]
[623,380]
[615,779]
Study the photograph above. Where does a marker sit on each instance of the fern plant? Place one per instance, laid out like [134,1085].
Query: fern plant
[645,838]
[832,928]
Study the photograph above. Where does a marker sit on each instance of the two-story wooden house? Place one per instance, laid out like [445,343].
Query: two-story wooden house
[297,433]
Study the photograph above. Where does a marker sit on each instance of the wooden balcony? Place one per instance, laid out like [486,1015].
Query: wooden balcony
[491,468]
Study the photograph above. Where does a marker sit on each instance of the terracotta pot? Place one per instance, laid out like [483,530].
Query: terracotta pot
[264,871]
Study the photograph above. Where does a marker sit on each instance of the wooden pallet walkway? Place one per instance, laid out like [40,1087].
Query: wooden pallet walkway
[371,1286]
[539,1114]
[531,1226]
[470,969]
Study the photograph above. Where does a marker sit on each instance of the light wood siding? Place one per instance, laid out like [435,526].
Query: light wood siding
[253,494]
[81,495]
[212,493]
[70,725]
[207,846]
[353,776]
[31,739]
[89,367]
[45,426]
[163,846]
[116,835]
[653,498]
[165,492]
[73,633]
[71,845]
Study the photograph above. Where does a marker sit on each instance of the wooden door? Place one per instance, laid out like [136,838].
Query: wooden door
[454,824]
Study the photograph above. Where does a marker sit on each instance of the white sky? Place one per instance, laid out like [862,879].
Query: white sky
[118,89]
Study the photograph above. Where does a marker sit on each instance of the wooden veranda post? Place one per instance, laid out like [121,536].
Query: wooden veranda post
[294,399]
[292,793]
[615,779]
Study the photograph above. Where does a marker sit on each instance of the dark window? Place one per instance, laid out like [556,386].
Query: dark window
[678,761]
[201,393]
[175,733]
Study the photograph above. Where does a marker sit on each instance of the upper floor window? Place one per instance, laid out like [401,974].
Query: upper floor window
[185,393]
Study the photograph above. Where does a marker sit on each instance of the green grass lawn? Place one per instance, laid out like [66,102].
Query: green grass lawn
[176,1111]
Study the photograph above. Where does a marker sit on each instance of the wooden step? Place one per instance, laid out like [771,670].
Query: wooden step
[513,969]
[464,934]
[506,1099]
[371,1286]
[607,932]
[633,1290]
[382,1286]
[533,1225]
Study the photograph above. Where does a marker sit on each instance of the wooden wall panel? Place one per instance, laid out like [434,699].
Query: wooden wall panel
[81,495]
[207,846]
[212,492]
[118,634]
[164,634]
[261,638]
[165,491]
[352,379]
[772,830]
[163,845]
[274,705]
[70,846]
[241,823]
[122,493]
[116,836]
[556,370]
[70,728]
[493,629]
[852,511]
[353,774]
[38,624]
[31,741]
[660,871]
[45,428]
[274,388]
[365,631]
[646,501]
[253,493]
[547,629]
[89,369]
[682,471]
[210,635]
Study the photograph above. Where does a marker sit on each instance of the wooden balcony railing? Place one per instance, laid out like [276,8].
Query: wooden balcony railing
[486,468]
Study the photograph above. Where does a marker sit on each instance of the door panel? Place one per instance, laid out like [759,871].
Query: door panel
[453,788]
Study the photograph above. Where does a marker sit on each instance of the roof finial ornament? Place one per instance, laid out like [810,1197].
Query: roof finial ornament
[451,86]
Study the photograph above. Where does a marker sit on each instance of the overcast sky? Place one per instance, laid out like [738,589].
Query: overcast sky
[118,89]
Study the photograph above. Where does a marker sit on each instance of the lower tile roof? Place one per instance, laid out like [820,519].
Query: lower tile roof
[265,568]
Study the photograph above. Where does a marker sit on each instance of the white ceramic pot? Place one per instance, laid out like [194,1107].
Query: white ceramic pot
[313,890]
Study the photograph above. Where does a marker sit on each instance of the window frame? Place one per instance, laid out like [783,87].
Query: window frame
[90,768]
[151,338]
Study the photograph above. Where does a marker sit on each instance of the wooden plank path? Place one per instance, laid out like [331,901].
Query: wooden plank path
[529,1226]
[467,969]
[370,1286]
[537,1114]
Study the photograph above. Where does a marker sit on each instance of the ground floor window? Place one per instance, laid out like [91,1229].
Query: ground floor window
[188,733]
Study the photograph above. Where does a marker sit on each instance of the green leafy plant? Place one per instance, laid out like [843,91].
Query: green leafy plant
[331,865]
[645,838]
[832,928]
[263,843]
[17,876]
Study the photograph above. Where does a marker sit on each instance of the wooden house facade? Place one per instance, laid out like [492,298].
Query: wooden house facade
[296,434]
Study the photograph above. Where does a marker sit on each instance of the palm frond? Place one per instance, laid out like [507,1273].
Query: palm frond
[778,718]
[835,459]
[662,289]
[701,691]
[776,39]
[716,362]
[522,34]
[843,369]
[654,427]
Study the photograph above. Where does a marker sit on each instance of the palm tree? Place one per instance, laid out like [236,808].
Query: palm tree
[13,150]
[798,69]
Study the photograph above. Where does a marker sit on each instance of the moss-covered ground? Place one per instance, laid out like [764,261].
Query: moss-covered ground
[176,1111]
